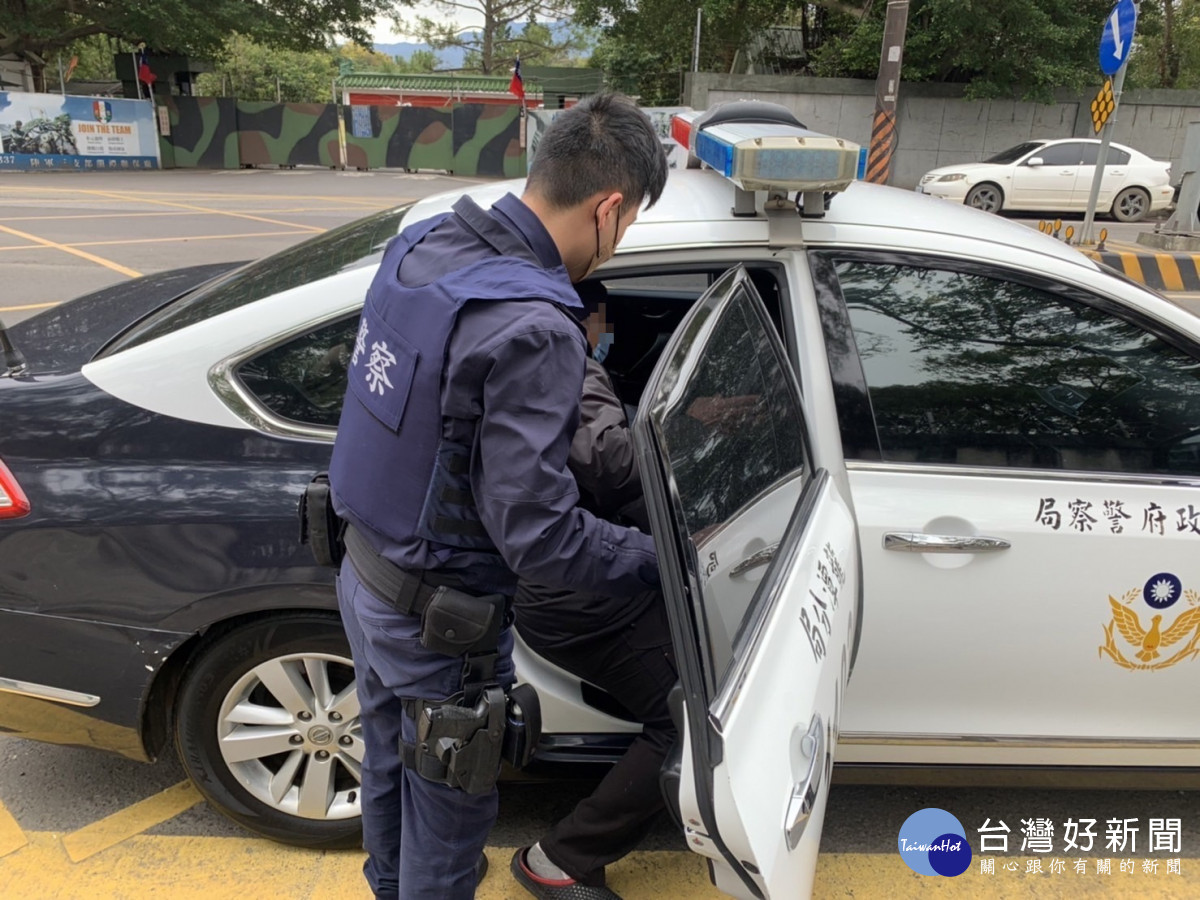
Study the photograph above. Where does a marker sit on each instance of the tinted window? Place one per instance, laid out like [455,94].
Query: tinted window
[351,246]
[1062,154]
[968,369]
[1090,153]
[1012,154]
[1117,157]
[734,442]
[304,380]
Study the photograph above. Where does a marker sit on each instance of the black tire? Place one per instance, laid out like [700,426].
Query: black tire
[985,196]
[1131,205]
[229,678]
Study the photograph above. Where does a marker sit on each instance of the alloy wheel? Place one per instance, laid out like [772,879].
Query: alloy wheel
[289,731]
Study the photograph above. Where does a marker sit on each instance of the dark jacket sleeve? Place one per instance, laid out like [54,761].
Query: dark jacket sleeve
[526,495]
[602,459]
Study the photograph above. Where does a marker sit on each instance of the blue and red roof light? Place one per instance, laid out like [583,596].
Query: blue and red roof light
[769,156]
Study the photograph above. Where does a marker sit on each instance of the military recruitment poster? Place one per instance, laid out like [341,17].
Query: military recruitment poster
[52,131]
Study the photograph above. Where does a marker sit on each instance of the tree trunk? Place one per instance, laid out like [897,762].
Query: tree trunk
[1169,67]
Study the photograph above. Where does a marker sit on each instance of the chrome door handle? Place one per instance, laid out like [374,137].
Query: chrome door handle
[919,542]
[761,558]
[804,793]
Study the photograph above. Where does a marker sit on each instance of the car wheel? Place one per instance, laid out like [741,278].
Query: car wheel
[267,727]
[1131,205]
[986,196]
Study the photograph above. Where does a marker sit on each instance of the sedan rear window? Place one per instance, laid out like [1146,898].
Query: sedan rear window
[351,246]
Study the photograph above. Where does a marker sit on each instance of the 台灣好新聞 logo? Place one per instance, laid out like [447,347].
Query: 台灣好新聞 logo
[933,842]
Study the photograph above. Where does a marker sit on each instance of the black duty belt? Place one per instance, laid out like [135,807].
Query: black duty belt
[407,592]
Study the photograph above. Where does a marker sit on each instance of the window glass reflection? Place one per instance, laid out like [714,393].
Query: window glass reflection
[967,369]
[304,380]
[735,446]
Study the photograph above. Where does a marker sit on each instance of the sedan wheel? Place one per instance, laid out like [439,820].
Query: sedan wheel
[267,727]
[987,197]
[1131,205]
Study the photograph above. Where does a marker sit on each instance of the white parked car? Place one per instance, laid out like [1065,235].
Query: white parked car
[924,483]
[1056,176]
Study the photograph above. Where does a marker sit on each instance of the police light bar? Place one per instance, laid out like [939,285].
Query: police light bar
[759,156]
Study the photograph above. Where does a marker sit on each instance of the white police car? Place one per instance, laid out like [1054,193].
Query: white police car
[893,438]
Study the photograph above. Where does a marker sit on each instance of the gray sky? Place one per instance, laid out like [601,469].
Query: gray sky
[383,33]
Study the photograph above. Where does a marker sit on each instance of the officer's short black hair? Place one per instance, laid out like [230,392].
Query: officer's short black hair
[603,143]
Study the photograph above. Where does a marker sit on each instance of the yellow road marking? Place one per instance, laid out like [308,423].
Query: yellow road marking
[166,240]
[4,309]
[12,838]
[214,196]
[316,229]
[206,868]
[83,254]
[146,215]
[131,821]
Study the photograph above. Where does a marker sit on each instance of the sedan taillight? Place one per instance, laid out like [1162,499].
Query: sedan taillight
[13,502]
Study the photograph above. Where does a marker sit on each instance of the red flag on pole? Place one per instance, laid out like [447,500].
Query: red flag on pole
[143,71]
[517,85]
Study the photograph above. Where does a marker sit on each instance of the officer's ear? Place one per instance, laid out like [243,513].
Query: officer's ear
[609,205]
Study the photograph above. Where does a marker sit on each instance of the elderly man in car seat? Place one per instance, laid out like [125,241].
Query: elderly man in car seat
[620,644]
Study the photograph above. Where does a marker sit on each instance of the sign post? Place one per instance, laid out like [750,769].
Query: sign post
[1116,40]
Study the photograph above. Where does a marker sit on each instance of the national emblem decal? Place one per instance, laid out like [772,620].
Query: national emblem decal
[1148,646]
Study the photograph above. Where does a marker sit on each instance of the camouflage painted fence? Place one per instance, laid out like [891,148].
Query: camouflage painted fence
[464,139]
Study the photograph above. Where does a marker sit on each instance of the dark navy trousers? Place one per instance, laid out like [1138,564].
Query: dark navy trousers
[422,838]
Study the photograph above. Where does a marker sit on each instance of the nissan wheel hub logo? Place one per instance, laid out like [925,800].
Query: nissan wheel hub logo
[319,734]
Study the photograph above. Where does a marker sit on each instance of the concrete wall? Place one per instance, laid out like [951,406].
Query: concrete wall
[939,127]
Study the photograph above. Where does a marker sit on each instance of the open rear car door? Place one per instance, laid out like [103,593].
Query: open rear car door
[760,570]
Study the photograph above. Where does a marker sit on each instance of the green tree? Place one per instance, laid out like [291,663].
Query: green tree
[419,61]
[1166,51]
[364,59]
[492,46]
[249,70]
[197,27]
[998,48]
[647,44]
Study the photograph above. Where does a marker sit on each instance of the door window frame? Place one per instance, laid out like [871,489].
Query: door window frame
[855,414]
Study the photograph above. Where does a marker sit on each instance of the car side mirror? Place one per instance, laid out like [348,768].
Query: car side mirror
[1035,162]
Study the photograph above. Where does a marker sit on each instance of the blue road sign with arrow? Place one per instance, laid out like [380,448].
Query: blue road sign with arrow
[1116,39]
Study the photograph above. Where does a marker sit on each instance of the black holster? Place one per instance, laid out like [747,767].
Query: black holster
[320,527]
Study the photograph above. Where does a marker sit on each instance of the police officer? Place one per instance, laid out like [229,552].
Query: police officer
[450,470]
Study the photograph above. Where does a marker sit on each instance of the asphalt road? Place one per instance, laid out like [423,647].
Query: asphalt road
[64,234]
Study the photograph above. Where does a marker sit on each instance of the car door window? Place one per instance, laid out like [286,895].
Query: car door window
[739,460]
[1061,154]
[304,379]
[977,370]
[1116,157]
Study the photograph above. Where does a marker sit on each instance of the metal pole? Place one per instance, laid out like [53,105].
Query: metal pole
[696,42]
[1085,236]
[136,80]
[885,132]
[279,92]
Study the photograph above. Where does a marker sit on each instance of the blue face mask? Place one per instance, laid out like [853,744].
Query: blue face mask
[603,343]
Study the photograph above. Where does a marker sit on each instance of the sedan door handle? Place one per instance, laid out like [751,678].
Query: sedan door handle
[761,558]
[919,542]
[804,793]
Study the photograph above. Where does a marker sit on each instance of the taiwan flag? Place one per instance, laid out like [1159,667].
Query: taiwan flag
[517,85]
[143,70]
